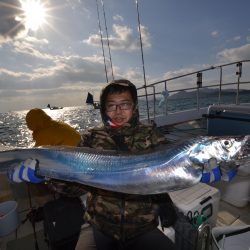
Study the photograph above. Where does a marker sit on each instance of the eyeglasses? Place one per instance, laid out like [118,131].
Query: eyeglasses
[122,106]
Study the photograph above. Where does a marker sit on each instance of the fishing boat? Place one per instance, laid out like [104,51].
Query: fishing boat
[227,111]
[90,101]
[53,107]
[227,87]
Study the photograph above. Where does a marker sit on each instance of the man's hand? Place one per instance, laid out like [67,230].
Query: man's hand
[25,171]
[211,172]
[214,172]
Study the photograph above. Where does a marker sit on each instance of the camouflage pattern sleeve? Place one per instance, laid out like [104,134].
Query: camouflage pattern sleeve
[85,140]
[66,188]
[97,138]
[157,136]
[147,136]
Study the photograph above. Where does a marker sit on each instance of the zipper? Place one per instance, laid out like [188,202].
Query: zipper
[122,217]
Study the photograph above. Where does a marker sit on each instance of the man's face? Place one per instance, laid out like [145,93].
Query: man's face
[119,107]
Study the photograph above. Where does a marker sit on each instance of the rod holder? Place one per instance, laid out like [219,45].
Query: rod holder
[199,79]
[239,72]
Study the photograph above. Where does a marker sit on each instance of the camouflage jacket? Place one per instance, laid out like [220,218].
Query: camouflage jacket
[122,216]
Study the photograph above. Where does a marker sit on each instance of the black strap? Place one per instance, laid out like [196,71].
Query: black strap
[167,211]
[240,231]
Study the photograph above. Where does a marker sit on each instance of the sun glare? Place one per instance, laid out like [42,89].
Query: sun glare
[34,14]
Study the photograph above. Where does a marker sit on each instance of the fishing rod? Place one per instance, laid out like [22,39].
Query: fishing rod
[104,15]
[100,31]
[143,67]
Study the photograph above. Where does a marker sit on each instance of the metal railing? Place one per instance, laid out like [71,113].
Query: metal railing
[223,77]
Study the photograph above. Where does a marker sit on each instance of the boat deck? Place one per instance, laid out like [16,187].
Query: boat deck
[227,214]
[184,130]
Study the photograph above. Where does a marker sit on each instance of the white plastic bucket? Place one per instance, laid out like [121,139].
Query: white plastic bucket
[8,217]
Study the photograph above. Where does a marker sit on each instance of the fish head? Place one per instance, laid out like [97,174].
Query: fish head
[223,149]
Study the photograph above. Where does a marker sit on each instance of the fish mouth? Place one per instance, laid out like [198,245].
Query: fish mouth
[246,146]
[244,154]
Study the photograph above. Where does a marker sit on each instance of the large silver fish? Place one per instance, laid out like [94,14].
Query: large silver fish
[167,168]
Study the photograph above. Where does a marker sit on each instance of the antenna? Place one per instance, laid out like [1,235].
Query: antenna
[142,57]
[107,39]
[100,31]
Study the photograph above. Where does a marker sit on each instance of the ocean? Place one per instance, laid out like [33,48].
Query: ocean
[15,133]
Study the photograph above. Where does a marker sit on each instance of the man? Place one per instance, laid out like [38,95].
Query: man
[123,221]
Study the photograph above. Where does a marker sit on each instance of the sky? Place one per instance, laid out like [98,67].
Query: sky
[51,51]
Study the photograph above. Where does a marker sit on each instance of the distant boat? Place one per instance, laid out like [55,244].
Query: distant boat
[54,107]
[90,100]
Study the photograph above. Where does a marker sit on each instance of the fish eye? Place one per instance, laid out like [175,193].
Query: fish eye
[227,143]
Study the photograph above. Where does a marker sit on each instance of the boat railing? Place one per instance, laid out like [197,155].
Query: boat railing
[196,90]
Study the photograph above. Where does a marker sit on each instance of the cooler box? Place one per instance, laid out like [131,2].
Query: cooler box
[240,183]
[201,197]
[232,120]
[228,120]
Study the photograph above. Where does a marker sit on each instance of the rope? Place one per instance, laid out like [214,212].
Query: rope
[143,67]
[111,65]
[100,31]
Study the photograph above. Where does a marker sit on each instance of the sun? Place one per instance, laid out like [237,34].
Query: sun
[34,14]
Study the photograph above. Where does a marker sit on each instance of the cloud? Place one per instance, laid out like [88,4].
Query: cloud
[187,81]
[214,34]
[10,25]
[46,70]
[57,79]
[118,18]
[64,83]
[174,73]
[42,70]
[122,39]
[26,47]
[72,70]
[133,74]
[236,38]
[235,54]
[145,37]
[36,41]
[248,39]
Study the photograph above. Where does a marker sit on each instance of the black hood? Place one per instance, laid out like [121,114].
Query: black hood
[119,86]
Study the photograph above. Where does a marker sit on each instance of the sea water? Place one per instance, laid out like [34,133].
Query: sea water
[15,133]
